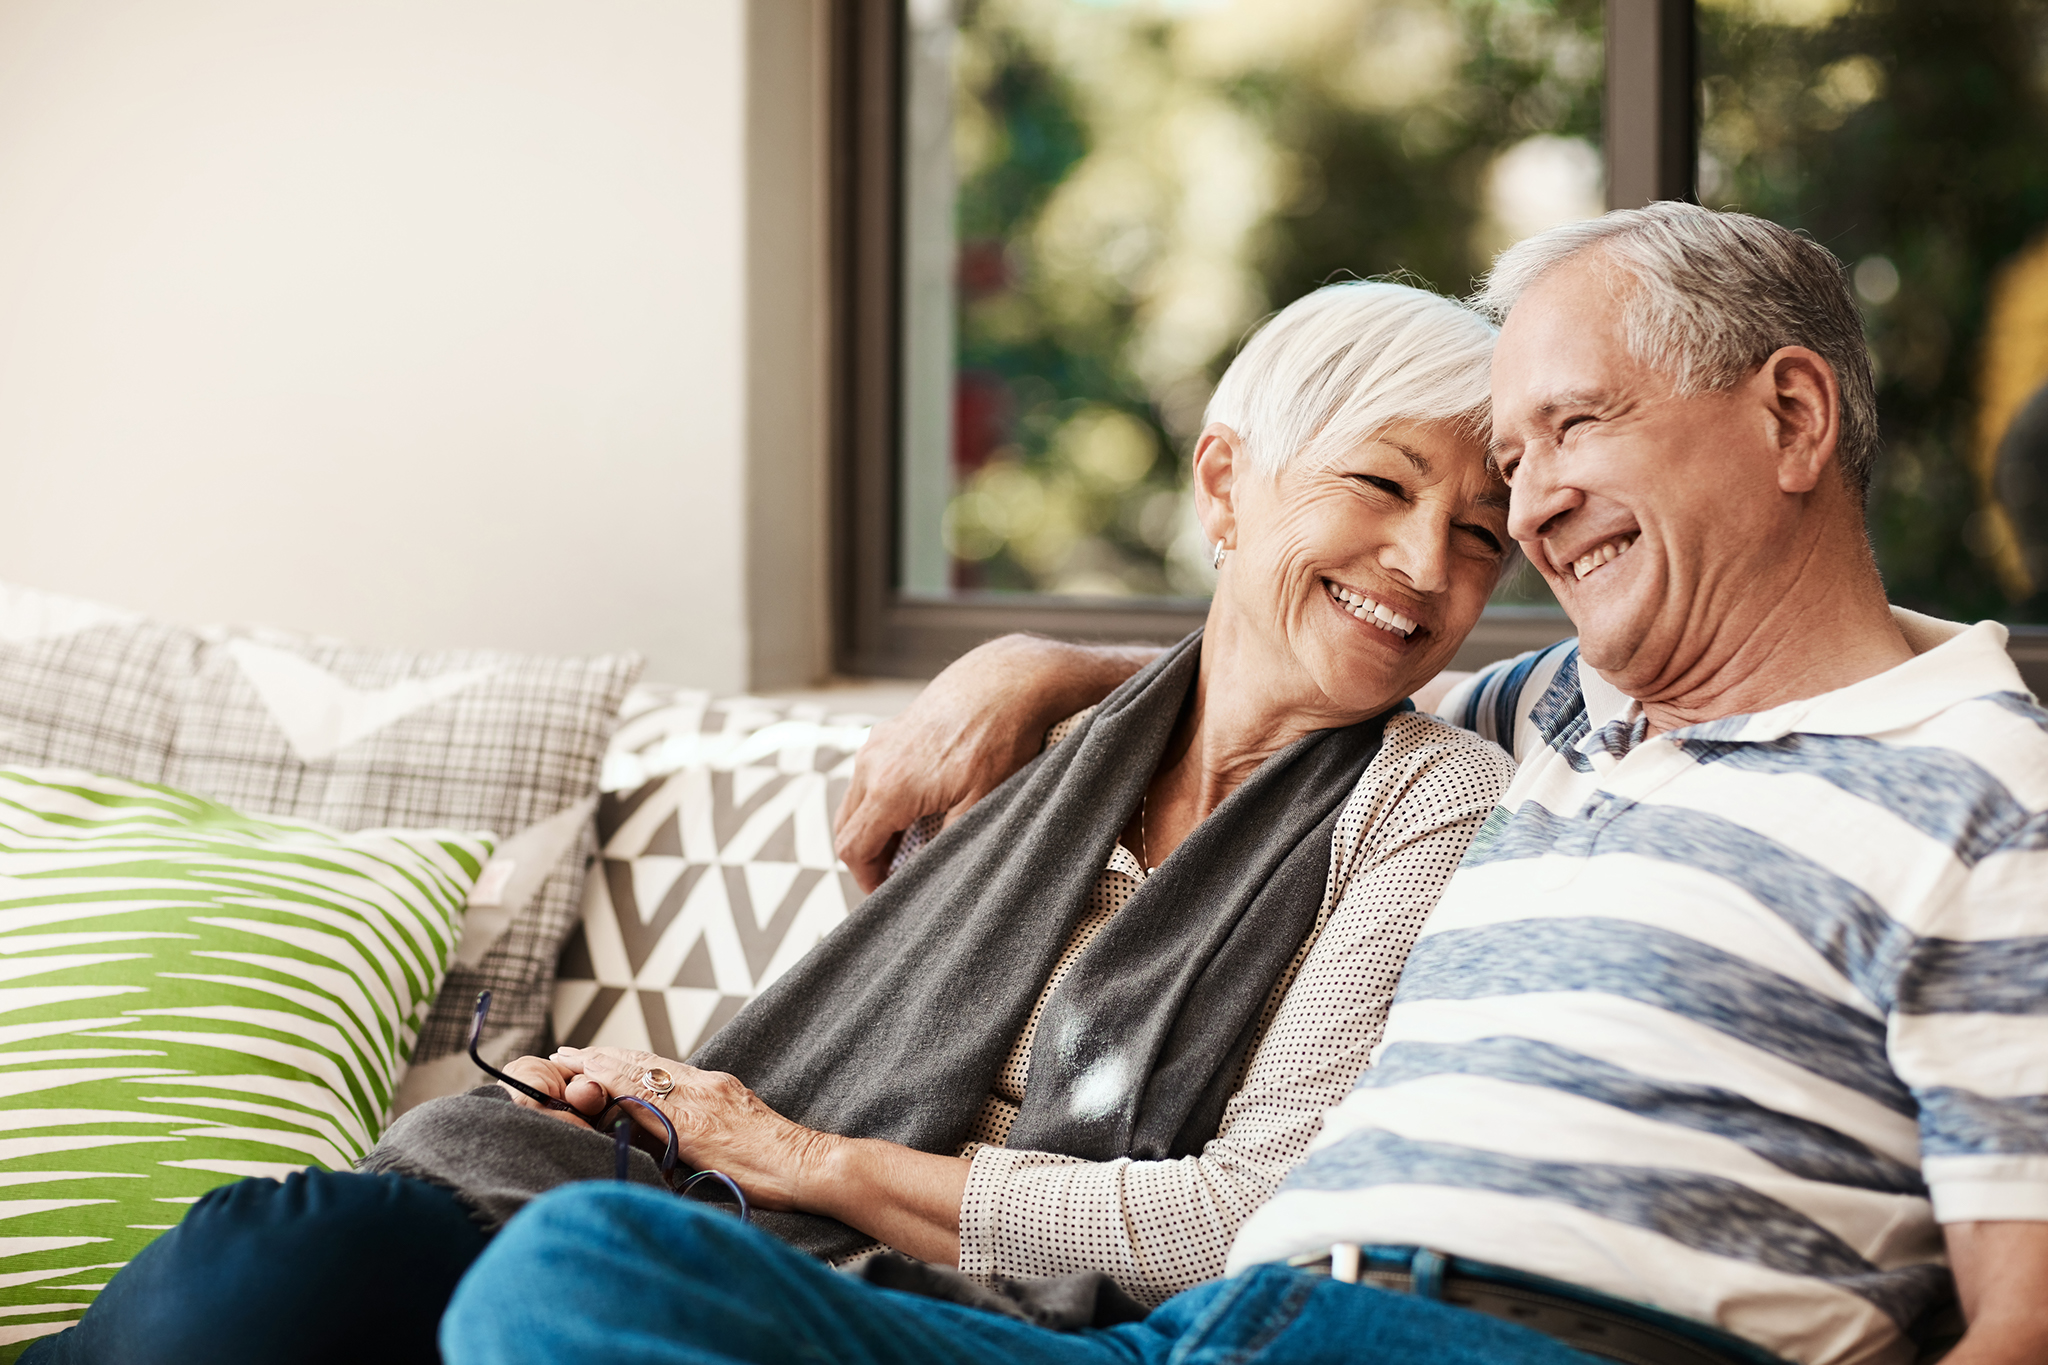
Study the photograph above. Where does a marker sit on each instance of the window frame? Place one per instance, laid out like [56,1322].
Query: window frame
[880,632]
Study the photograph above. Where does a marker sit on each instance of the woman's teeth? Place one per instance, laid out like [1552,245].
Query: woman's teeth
[1600,554]
[1371,612]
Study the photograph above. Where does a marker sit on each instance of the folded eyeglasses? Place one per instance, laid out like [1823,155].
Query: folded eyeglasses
[621,1127]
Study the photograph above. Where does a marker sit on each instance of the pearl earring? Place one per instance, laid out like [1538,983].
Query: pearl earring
[1216,561]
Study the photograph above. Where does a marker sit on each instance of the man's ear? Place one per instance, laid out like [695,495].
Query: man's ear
[1805,403]
[1219,458]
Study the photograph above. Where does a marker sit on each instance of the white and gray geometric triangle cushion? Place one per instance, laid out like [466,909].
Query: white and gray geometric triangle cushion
[716,869]
[280,724]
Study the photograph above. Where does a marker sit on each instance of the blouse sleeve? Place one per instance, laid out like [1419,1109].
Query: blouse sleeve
[1158,1227]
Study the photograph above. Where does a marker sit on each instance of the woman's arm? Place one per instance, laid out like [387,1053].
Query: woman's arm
[1155,1227]
[906,1198]
[1159,1227]
[901,1197]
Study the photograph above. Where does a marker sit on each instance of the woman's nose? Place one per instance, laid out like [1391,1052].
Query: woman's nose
[1421,553]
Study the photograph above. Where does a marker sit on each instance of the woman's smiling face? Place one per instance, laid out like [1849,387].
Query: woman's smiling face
[1359,575]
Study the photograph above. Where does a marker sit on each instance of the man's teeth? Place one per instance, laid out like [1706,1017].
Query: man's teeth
[1600,554]
[1371,612]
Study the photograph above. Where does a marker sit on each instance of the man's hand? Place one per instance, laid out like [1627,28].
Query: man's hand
[2001,1274]
[978,722]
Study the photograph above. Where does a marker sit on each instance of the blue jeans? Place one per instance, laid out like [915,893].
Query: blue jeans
[604,1272]
[326,1268]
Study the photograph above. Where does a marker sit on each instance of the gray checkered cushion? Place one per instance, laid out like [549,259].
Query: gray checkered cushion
[353,738]
[716,871]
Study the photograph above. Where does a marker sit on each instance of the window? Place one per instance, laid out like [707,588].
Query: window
[1089,203]
[1101,198]
[1058,217]
[1908,139]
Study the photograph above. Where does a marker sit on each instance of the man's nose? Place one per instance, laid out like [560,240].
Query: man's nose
[1420,551]
[1539,497]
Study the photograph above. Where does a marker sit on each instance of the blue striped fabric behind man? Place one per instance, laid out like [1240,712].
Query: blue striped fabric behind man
[1726,1019]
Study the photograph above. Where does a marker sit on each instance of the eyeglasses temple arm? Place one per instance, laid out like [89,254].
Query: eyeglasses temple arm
[668,1155]
[476,1032]
[746,1214]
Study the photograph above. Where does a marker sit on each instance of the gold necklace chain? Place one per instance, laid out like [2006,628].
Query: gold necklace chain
[1145,844]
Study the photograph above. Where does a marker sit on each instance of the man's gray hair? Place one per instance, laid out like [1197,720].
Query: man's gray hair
[1715,293]
[1336,368]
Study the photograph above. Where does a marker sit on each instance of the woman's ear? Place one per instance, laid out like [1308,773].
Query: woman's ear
[1218,455]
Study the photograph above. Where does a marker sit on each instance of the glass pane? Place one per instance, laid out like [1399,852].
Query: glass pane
[1909,139]
[1101,198]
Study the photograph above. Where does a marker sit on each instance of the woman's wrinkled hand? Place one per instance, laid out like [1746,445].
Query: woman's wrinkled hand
[720,1124]
[558,1082]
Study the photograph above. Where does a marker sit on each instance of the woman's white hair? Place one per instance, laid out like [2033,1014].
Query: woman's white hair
[1336,368]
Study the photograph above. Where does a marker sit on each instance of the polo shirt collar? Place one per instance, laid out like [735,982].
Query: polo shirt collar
[1951,663]
[1605,703]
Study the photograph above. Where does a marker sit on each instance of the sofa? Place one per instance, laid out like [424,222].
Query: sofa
[252,885]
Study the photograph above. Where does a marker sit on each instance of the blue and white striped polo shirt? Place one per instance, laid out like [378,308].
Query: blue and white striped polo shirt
[1725,1020]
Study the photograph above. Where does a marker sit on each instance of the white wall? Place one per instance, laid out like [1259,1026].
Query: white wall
[420,322]
[788,342]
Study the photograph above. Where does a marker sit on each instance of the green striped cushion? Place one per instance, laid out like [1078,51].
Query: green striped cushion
[189,995]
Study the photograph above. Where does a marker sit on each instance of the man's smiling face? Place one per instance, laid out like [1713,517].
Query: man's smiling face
[1648,513]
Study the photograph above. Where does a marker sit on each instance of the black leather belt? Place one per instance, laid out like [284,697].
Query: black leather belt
[1579,1318]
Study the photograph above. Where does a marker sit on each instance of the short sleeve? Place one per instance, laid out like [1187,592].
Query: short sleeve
[1495,703]
[1461,705]
[1969,1036]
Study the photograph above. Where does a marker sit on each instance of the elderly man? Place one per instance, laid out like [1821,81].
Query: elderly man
[1727,1040]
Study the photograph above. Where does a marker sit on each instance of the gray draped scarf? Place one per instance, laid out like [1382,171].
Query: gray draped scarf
[896,1024]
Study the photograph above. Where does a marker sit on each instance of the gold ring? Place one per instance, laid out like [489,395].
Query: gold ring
[657,1082]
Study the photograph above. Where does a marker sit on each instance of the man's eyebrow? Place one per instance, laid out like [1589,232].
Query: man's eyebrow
[1557,402]
[1416,458]
[1548,408]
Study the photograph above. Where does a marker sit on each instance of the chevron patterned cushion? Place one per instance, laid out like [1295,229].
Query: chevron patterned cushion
[192,995]
[716,869]
[353,738]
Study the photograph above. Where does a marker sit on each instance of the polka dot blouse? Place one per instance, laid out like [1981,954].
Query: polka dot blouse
[1158,1227]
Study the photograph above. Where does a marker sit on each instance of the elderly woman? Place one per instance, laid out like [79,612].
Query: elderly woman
[1092,1024]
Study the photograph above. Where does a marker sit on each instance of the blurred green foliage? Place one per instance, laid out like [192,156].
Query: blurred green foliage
[1911,139]
[1140,184]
